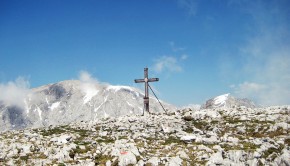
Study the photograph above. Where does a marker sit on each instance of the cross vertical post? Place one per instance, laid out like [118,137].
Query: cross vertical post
[146,80]
[146,98]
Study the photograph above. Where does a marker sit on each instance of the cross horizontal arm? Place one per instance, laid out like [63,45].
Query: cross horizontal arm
[153,79]
[139,80]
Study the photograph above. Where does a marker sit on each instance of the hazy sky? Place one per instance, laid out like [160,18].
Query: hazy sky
[198,48]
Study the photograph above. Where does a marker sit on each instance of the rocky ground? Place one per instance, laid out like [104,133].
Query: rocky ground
[232,136]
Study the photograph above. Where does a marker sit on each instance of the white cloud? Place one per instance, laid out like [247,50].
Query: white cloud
[266,57]
[15,92]
[86,77]
[167,64]
[89,85]
[248,88]
[265,94]
[269,64]
[170,64]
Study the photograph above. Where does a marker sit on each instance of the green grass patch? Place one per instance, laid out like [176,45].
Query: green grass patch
[105,140]
[82,142]
[172,140]
[24,158]
[81,132]
[52,131]
[276,133]
[188,130]
[247,146]
[123,137]
[235,120]
[200,124]
[287,141]
[102,159]
[271,152]
[81,151]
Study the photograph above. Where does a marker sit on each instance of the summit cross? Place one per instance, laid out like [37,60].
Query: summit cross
[146,80]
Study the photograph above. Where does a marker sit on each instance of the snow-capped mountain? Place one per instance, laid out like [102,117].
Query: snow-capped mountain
[73,100]
[227,101]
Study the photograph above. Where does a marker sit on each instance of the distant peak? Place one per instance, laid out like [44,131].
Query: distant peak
[227,101]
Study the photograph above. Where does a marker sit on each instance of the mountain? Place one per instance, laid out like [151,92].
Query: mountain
[227,101]
[73,100]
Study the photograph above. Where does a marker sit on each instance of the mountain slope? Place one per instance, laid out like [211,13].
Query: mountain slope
[71,101]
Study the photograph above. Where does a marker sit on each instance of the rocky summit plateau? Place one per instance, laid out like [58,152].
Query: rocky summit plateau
[220,136]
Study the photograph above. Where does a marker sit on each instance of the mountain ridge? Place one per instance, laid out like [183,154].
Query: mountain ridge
[74,100]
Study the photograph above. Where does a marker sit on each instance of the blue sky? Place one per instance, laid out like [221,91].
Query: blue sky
[198,49]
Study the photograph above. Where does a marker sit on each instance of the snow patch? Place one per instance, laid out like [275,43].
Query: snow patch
[129,104]
[90,92]
[46,101]
[26,106]
[39,113]
[96,109]
[117,88]
[106,115]
[54,105]
[221,100]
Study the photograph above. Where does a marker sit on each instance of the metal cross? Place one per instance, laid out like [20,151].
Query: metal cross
[146,80]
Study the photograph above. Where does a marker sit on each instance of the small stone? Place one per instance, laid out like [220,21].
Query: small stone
[182,155]
[140,163]
[127,158]
[216,159]
[108,163]
[188,138]
[174,161]
[154,161]
[82,147]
